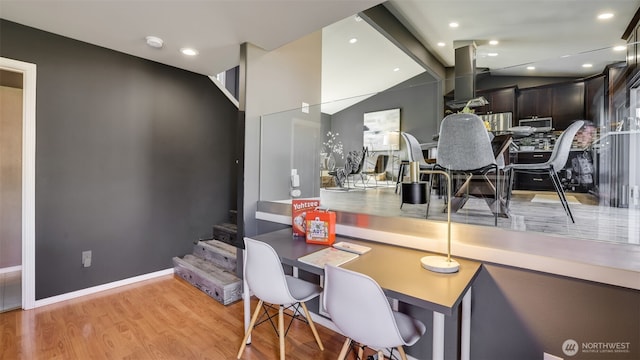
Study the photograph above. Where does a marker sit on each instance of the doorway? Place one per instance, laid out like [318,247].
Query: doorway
[10,190]
[17,185]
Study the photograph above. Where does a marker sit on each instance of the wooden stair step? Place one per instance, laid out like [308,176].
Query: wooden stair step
[226,232]
[222,285]
[220,253]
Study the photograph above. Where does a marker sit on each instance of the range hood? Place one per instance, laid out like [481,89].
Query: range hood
[464,92]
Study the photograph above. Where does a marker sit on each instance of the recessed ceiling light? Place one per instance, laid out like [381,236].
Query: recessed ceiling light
[531,67]
[189,51]
[154,42]
[493,42]
[454,24]
[620,48]
[492,54]
[353,41]
[441,44]
[396,69]
[587,65]
[605,16]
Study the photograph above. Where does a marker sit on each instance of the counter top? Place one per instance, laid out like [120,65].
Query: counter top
[605,262]
[396,269]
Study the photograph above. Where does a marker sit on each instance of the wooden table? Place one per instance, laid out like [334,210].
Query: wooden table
[399,273]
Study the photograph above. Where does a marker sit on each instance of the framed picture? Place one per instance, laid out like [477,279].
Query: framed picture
[382,130]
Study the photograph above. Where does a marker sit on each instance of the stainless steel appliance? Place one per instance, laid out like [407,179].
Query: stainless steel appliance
[498,121]
[540,124]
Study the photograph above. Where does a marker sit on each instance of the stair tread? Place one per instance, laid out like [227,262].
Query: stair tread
[208,269]
[226,226]
[219,247]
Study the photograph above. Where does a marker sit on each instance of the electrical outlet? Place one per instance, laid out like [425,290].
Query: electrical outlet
[86,258]
[546,356]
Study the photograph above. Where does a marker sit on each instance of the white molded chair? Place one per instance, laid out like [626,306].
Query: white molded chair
[268,282]
[359,308]
[414,153]
[556,162]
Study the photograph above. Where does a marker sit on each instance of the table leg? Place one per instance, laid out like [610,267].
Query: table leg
[465,336]
[438,336]
[246,298]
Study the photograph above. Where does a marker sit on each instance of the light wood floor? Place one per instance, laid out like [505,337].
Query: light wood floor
[592,222]
[10,290]
[163,318]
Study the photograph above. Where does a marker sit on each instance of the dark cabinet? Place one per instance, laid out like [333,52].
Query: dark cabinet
[564,103]
[534,102]
[594,95]
[500,100]
[567,104]
[524,181]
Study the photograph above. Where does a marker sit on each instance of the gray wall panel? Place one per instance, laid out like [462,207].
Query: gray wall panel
[417,99]
[133,160]
[519,314]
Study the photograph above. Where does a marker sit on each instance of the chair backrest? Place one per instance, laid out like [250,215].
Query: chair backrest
[562,147]
[363,157]
[264,274]
[414,151]
[359,308]
[464,143]
[352,157]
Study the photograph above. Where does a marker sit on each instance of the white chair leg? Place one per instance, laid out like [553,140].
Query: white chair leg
[251,325]
[360,351]
[312,325]
[281,330]
[345,349]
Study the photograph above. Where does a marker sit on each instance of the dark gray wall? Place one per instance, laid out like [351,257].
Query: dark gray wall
[133,160]
[417,99]
[519,314]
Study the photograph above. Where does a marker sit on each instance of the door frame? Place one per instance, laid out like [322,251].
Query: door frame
[28,71]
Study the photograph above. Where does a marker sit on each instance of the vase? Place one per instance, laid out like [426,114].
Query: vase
[331,162]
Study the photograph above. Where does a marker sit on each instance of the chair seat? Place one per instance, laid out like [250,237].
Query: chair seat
[410,329]
[528,166]
[302,290]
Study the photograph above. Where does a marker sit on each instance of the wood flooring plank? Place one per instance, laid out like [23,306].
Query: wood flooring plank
[163,318]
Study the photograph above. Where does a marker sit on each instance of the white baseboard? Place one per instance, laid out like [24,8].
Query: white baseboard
[99,288]
[10,269]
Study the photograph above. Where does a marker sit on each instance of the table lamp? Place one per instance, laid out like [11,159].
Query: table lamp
[435,263]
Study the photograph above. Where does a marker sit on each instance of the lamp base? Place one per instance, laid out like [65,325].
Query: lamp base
[440,264]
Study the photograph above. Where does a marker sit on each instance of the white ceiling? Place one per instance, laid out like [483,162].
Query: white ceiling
[215,27]
[540,31]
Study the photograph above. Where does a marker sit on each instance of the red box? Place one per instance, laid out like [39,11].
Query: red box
[321,227]
[299,210]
